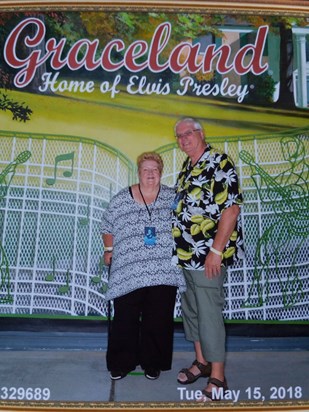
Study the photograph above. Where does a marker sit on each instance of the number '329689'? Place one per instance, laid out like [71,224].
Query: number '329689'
[29,394]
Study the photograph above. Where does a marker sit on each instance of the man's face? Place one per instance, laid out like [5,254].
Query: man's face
[190,140]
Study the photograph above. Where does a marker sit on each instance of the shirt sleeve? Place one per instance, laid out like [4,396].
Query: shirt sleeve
[108,219]
[227,191]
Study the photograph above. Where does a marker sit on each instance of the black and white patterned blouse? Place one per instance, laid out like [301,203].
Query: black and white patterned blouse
[135,265]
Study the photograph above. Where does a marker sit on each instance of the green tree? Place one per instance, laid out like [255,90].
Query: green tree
[57,24]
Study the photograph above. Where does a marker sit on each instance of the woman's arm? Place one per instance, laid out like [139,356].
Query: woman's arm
[108,240]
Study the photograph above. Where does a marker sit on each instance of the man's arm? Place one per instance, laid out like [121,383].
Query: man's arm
[226,226]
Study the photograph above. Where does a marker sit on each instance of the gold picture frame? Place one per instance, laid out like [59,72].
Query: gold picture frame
[290,7]
[138,406]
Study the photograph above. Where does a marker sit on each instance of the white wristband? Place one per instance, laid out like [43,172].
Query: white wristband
[108,249]
[217,252]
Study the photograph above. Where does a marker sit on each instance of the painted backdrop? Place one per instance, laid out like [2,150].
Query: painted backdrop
[83,93]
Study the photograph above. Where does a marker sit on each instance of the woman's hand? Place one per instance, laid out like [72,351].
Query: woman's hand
[107,257]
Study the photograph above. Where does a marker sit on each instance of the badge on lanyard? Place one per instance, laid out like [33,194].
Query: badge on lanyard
[150,236]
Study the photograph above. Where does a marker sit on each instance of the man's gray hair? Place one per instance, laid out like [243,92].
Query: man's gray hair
[196,124]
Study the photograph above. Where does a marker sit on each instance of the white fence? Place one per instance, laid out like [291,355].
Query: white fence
[53,190]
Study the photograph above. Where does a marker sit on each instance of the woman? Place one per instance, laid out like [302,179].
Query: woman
[136,230]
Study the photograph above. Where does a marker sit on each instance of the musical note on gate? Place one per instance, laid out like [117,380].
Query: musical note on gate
[98,279]
[67,173]
[51,276]
[65,288]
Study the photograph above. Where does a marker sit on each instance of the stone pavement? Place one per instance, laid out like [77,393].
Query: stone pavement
[70,366]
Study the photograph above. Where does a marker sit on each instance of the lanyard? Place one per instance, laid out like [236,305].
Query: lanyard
[148,210]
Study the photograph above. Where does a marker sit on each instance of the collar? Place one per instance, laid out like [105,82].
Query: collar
[203,157]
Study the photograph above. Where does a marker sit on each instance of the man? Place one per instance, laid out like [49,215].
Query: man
[207,239]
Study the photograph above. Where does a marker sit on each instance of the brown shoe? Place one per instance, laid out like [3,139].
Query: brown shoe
[208,396]
[205,371]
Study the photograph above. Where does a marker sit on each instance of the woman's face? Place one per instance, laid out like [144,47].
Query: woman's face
[149,173]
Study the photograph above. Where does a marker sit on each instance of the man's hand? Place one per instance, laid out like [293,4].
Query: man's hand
[212,265]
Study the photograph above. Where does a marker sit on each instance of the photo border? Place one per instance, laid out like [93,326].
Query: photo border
[262,7]
[224,406]
[280,7]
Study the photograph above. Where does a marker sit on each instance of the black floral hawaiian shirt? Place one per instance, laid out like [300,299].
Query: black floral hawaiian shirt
[203,192]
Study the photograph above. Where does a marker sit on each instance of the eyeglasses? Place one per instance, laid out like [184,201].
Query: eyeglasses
[187,133]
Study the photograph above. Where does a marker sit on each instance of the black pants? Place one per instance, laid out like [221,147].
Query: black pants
[142,330]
